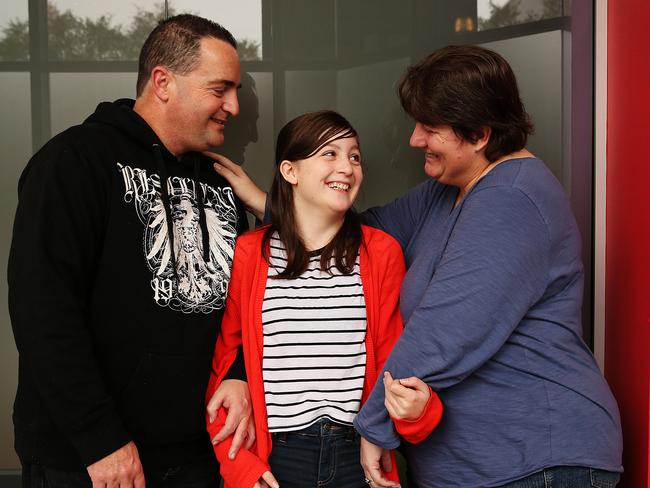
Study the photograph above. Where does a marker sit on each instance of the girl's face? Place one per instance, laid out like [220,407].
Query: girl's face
[329,180]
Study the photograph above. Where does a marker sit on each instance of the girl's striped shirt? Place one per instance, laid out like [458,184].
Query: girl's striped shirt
[314,330]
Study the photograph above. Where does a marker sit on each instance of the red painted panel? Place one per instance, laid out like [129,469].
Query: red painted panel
[627,341]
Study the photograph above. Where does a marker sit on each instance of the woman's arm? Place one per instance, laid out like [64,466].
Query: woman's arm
[400,217]
[415,409]
[494,268]
[413,406]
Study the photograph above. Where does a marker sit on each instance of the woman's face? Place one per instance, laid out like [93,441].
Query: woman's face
[329,180]
[448,158]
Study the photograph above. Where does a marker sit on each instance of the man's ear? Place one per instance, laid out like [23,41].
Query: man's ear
[162,81]
[288,172]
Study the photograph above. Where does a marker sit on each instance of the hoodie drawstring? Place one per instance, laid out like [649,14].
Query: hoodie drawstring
[205,238]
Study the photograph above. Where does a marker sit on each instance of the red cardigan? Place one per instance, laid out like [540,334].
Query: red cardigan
[382,269]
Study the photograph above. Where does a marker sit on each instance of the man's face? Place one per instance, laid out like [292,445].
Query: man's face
[202,100]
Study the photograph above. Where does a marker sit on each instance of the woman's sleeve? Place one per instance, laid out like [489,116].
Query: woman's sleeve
[493,269]
[400,217]
[246,468]
[390,328]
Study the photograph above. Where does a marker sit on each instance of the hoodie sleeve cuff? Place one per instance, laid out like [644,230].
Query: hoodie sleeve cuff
[99,440]
[415,431]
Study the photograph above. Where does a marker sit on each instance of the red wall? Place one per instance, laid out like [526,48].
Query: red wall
[627,302]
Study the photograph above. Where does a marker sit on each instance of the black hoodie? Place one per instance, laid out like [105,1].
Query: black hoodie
[116,333]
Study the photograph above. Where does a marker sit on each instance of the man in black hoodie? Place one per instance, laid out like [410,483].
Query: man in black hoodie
[118,273]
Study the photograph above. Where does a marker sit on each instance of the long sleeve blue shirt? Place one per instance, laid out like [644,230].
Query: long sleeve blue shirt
[491,305]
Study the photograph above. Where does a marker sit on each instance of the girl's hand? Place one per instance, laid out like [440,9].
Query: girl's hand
[248,192]
[374,459]
[267,480]
[407,398]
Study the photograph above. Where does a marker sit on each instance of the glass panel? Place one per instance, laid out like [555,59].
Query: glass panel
[249,137]
[16,143]
[501,13]
[435,24]
[75,95]
[243,19]
[537,63]
[14,32]
[366,96]
[372,28]
[349,73]
[306,91]
[306,30]
[83,31]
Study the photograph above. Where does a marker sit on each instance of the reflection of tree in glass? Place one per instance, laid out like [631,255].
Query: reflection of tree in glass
[553,8]
[15,44]
[248,49]
[507,14]
[512,12]
[142,24]
[72,38]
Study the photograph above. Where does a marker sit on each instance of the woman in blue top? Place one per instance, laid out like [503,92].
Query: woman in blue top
[492,296]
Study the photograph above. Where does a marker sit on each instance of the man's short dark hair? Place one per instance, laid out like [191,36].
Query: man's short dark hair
[175,43]
[468,88]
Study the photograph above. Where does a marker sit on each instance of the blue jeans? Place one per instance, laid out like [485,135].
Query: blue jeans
[567,477]
[325,454]
[202,473]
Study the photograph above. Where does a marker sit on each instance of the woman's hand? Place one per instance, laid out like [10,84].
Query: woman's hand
[248,192]
[373,460]
[233,395]
[407,398]
[267,480]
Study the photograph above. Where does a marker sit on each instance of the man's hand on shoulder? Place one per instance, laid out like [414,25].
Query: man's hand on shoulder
[120,468]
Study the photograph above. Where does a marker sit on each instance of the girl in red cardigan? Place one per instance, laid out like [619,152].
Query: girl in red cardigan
[313,301]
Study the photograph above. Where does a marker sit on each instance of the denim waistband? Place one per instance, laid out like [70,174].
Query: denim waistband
[321,428]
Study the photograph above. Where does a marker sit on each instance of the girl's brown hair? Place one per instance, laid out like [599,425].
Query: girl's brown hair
[299,139]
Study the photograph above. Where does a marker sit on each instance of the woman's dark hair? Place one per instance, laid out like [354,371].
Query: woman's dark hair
[468,88]
[299,139]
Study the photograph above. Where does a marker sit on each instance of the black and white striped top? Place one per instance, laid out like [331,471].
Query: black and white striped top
[314,344]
